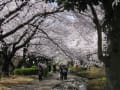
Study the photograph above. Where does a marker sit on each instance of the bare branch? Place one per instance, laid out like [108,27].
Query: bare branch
[12,12]
[21,37]
[2,5]
[28,21]
[99,30]
[53,42]
[8,20]
[28,39]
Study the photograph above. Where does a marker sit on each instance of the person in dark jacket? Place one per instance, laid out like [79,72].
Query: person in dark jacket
[54,67]
[61,72]
[40,71]
[65,71]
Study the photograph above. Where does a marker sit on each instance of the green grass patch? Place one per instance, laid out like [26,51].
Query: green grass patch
[96,77]
[72,68]
[30,71]
[96,84]
[25,71]
[91,73]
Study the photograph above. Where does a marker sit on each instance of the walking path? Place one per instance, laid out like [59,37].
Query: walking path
[40,85]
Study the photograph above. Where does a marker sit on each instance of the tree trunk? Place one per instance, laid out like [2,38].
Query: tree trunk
[113,72]
[12,66]
[20,64]
[5,67]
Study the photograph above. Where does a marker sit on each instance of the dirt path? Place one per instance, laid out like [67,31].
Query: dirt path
[39,85]
[45,84]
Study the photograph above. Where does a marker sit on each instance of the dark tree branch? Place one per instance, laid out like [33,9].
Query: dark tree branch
[12,12]
[21,37]
[27,40]
[12,17]
[99,31]
[2,5]
[28,21]
[48,37]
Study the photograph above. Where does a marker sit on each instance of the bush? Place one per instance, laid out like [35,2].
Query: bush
[82,74]
[25,71]
[82,69]
[75,69]
[34,67]
[72,68]
[30,71]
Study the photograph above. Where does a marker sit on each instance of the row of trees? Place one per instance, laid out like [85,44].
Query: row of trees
[110,26]
[29,24]
[20,28]
[17,31]
[19,22]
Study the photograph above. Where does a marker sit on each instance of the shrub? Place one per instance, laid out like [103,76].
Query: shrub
[82,68]
[72,68]
[34,67]
[75,69]
[25,71]
[82,74]
[30,71]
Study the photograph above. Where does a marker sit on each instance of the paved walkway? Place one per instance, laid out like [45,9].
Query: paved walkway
[42,85]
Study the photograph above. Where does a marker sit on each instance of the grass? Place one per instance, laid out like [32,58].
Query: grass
[96,77]
[16,79]
[92,73]
[6,82]
[96,84]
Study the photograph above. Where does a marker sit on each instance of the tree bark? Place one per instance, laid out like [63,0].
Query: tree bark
[5,67]
[112,62]
[99,31]
[113,72]
[115,50]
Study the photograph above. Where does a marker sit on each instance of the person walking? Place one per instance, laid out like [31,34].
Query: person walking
[54,68]
[65,72]
[61,71]
[40,71]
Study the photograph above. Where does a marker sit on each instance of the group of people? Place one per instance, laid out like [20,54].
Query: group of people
[63,70]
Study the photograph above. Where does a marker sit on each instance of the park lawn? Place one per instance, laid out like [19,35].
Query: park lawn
[96,84]
[6,82]
[96,78]
[92,73]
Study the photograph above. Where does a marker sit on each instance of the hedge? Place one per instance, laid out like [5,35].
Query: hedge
[25,71]
[30,71]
